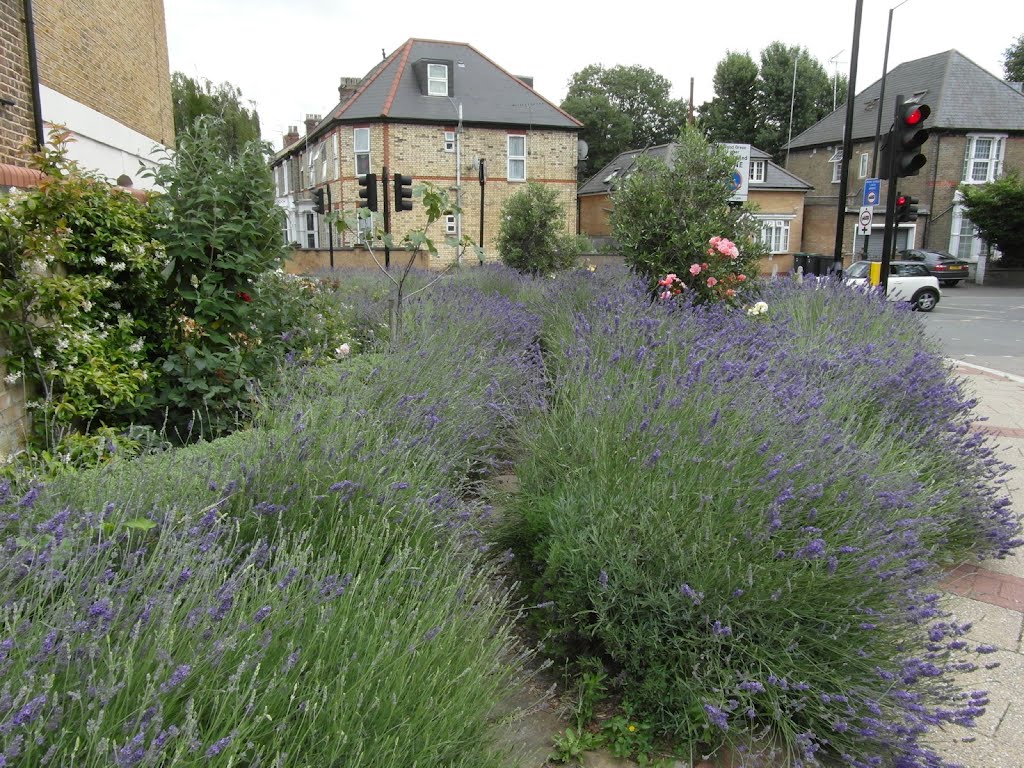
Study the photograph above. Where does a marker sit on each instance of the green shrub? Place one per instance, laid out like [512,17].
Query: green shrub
[222,231]
[532,236]
[666,213]
[80,297]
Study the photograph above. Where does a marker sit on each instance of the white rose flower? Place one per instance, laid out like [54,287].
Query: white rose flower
[343,351]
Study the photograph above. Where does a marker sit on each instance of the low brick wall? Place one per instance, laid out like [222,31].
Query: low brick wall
[14,416]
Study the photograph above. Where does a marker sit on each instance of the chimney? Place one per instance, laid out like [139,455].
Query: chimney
[311,123]
[348,88]
[291,137]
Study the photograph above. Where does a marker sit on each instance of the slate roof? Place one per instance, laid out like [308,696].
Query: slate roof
[962,97]
[776,178]
[488,93]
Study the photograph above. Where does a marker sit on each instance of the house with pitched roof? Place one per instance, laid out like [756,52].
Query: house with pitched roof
[976,134]
[775,197]
[437,111]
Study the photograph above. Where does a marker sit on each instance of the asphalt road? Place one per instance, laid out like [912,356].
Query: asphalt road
[981,324]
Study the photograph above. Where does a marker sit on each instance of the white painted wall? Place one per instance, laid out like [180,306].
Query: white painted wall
[101,143]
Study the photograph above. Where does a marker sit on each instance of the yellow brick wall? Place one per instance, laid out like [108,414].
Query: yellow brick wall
[110,55]
[16,122]
[419,151]
[14,419]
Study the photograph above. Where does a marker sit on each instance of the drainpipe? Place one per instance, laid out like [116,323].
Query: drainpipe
[33,74]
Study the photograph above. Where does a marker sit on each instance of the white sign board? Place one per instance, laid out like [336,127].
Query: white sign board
[867,214]
[740,176]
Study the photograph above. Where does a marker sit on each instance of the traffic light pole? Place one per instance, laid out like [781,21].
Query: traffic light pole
[890,199]
[330,225]
[387,220]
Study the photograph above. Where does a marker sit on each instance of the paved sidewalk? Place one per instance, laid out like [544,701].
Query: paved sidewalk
[991,595]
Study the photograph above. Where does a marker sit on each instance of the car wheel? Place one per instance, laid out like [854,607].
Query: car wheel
[925,300]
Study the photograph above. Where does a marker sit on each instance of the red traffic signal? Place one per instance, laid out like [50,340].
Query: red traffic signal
[907,137]
[906,208]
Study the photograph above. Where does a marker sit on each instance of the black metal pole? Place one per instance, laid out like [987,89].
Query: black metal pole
[483,179]
[330,225]
[837,255]
[881,98]
[890,203]
[387,219]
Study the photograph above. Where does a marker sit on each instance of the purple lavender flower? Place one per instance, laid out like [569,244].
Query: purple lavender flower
[176,679]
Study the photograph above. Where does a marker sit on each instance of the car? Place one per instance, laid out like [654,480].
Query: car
[945,266]
[908,281]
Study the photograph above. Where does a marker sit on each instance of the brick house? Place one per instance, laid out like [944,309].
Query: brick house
[775,196]
[976,133]
[437,111]
[100,69]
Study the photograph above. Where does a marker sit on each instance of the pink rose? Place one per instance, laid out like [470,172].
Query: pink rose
[712,282]
[695,269]
[741,278]
[666,295]
[671,277]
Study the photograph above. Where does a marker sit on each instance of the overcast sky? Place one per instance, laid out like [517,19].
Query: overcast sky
[287,55]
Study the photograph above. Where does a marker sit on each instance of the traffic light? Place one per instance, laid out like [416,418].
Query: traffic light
[906,208]
[908,134]
[318,201]
[368,191]
[403,192]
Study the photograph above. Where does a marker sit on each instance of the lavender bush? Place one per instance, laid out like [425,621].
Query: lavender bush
[744,516]
[304,593]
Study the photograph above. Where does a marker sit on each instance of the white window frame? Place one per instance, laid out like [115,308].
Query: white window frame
[334,146]
[516,157]
[781,228]
[449,141]
[758,171]
[437,79]
[837,166]
[287,165]
[862,171]
[450,225]
[982,170]
[358,151]
[311,234]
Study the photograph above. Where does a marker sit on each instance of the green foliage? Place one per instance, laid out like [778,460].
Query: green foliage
[237,125]
[222,231]
[79,297]
[752,104]
[665,214]
[622,108]
[733,115]
[1013,60]
[573,743]
[532,236]
[997,210]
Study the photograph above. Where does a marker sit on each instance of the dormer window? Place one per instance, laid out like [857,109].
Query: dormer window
[437,80]
[757,169]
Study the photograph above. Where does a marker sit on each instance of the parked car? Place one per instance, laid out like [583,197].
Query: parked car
[908,281]
[945,266]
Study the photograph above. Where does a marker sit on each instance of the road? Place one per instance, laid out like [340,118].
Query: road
[980,324]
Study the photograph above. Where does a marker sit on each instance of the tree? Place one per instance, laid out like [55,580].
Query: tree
[753,104]
[532,236]
[1013,61]
[622,108]
[665,214]
[238,125]
[997,210]
[732,115]
[810,102]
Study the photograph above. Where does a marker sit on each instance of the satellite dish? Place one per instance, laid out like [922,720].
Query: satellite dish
[582,150]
